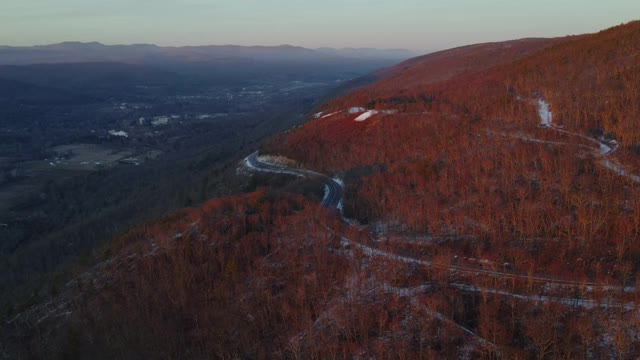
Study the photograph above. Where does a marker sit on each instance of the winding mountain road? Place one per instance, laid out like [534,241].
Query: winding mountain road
[333,190]
[333,195]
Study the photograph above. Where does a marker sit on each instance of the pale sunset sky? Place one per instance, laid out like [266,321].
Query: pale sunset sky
[412,24]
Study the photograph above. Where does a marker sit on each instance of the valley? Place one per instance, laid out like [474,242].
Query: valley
[90,149]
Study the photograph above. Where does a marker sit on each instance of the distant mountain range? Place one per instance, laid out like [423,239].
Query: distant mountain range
[74,52]
[369,53]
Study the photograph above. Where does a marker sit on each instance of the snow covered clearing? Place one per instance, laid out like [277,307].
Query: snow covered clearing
[367,114]
[317,115]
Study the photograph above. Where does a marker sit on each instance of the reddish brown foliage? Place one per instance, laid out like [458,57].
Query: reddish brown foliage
[455,160]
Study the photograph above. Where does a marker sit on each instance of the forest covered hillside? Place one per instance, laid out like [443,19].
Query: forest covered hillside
[490,210]
[533,158]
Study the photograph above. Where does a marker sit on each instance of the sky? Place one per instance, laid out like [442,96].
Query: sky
[412,24]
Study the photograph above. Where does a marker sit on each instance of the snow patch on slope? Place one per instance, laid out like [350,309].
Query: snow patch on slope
[328,115]
[545,113]
[369,113]
[365,115]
